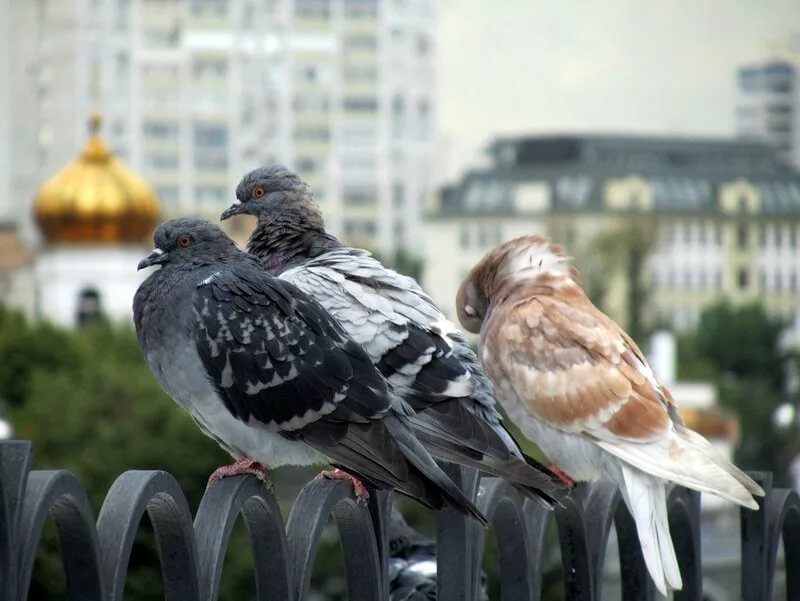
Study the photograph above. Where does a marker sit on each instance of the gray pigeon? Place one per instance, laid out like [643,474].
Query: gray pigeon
[413,565]
[266,372]
[406,336]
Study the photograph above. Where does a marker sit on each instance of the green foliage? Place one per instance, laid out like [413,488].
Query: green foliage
[742,341]
[402,262]
[90,405]
[738,348]
[625,248]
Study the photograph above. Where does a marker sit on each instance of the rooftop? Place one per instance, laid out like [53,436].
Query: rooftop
[683,173]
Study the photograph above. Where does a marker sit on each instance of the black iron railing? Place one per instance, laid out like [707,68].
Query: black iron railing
[96,554]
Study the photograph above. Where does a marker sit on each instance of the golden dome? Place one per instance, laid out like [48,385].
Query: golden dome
[96,199]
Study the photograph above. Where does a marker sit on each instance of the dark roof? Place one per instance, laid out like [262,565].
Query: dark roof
[684,172]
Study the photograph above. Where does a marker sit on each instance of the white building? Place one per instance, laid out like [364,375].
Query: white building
[723,217]
[196,92]
[96,219]
[768,106]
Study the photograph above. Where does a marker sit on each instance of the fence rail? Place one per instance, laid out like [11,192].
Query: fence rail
[95,554]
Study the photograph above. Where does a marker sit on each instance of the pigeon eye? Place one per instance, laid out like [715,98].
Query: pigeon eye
[259,192]
[185,241]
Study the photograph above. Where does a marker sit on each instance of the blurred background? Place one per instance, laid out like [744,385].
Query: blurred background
[661,146]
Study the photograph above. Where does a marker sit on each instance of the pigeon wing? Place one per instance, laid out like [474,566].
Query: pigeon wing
[276,356]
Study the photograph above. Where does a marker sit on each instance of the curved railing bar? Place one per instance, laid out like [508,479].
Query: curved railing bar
[574,543]
[15,462]
[380,511]
[456,536]
[221,506]
[755,543]
[538,518]
[315,503]
[683,508]
[520,571]
[61,495]
[783,518]
[156,492]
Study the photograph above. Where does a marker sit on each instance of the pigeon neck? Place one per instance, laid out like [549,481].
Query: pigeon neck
[289,236]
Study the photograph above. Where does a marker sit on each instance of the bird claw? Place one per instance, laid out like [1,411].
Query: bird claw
[360,491]
[562,476]
[242,466]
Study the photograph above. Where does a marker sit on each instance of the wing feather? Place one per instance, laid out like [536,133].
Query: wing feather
[576,370]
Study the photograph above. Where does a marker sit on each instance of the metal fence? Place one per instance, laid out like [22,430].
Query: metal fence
[95,554]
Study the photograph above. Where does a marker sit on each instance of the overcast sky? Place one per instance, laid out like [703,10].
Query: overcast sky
[660,66]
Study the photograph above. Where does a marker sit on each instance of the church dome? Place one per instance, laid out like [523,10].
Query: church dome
[96,199]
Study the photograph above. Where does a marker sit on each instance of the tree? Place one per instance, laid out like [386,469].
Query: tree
[622,251]
[739,348]
[90,405]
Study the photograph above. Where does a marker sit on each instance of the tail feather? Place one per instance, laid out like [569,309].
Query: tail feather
[645,497]
[752,487]
[417,456]
[526,474]
[687,461]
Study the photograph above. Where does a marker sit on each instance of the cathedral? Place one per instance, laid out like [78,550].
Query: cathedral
[96,217]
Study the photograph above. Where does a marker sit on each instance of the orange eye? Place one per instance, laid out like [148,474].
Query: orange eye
[185,241]
[259,192]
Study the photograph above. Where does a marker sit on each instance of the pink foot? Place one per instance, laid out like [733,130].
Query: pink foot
[243,465]
[362,494]
[562,475]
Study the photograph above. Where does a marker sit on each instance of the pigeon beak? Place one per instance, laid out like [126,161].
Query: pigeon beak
[235,209]
[156,257]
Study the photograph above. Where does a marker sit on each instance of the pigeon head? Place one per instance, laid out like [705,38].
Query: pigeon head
[527,258]
[189,241]
[268,189]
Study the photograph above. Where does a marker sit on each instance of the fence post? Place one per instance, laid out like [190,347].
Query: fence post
[755,586]
[456,537]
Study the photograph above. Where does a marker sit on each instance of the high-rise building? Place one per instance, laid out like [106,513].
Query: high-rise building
[196,92]
[768,106]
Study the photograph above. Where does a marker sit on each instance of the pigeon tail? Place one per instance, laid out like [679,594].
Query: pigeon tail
[440,483]
[686,458]
[645,497]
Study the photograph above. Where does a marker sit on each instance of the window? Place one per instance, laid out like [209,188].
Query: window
[319,133]
[361,42]
[398,109]
[717,279]
[359,228]
[778,281]
[361,104]
[210,135]
[398,196]
[423,111]
[210,158]
[464,237]
[89,306]
[160,130]
[742,237]
[483,239]
[161,162]
[210,194]
[359,196]
[423,44]
[306,165]
[793,281]
[792,237]
[743,278]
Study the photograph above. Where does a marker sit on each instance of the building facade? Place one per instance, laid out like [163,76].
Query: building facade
[768,107]
[197,92]
[721,219]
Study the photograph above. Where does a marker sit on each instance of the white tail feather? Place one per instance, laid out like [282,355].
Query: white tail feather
[686,461]
[646,500]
